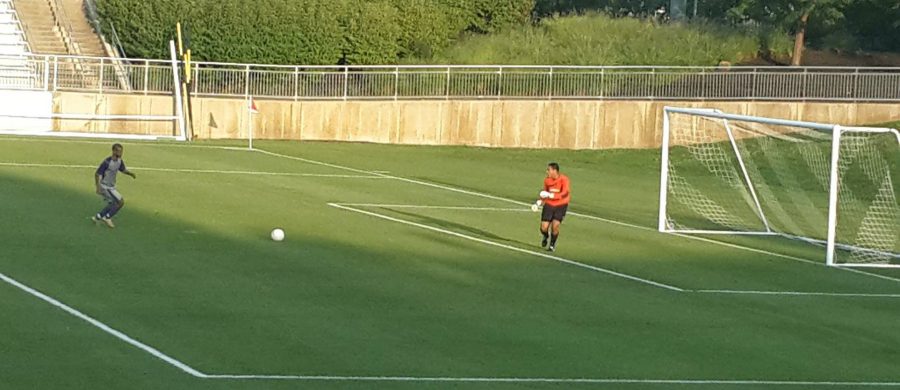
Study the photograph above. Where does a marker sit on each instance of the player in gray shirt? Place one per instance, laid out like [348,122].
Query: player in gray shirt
[105,180]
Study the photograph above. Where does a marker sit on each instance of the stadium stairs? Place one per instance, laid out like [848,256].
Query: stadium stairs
[62,27]
[15,72]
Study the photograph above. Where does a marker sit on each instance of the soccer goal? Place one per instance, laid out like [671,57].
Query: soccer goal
[27,107]
[822,183]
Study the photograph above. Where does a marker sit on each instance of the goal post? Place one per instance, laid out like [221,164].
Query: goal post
[821,183]
[30,110]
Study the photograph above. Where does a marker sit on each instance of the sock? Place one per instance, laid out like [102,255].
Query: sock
[545,234]
[553,239]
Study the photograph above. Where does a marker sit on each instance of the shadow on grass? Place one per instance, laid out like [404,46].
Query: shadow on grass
[458,227]
[350,305]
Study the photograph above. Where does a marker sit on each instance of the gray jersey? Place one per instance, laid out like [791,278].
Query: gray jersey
[108,170]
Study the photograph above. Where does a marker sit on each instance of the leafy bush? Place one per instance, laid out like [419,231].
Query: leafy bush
[307,31]
[596,39]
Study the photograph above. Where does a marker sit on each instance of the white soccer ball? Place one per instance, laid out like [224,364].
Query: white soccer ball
[277,235]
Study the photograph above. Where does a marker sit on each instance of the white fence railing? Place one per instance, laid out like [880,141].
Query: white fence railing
[106,75]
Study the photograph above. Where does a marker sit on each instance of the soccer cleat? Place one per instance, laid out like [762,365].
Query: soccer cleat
[552,248]
[544,242]
[95,218]
[108,222]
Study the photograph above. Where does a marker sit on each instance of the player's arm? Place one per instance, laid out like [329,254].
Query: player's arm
[545,193]
[126,171]
[541,196]
[98,175]
[562,192]
[564,189]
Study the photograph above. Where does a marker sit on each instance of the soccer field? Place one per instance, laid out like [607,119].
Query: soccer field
[405,267]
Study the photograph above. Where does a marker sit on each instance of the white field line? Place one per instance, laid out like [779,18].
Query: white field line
[610,221]
[711,382]
[483,195]
[177,170]
[106,328]
[509,247]
[789,257]
[171,144]
[798,293]
[748,292]
[185,368]
[193,372]
[415,206]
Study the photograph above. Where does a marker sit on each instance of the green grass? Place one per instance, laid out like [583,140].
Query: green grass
[893,125]
[190,271]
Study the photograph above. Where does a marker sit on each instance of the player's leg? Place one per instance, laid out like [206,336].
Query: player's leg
[558,215]
[102,213]
[546,217]
[115,210]
[554,234]
[117,203]
[545,232]
[110,203]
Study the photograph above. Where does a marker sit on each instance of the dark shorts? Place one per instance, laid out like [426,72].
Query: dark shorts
[554,213]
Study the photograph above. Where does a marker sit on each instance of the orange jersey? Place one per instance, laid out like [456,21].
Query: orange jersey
[559,187]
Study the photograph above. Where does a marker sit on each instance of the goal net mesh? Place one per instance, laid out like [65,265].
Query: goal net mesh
[736,176]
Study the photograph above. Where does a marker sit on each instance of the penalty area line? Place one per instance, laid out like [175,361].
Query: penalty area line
[587,216]
[416,206]
[509,247]
[702,291]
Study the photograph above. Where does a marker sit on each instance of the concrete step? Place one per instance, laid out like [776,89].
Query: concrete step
[13,43]
[10,61]
[11,39]
[8,50]
[42,11]
[82,32]
[9,29]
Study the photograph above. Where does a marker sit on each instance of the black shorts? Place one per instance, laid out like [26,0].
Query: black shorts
[554,213]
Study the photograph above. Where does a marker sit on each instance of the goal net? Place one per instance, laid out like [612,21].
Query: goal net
[822,183]
[56,96]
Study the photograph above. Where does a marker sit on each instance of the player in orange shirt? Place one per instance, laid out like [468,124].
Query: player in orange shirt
[555,199]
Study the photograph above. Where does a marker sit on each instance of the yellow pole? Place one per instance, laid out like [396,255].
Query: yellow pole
[180,43]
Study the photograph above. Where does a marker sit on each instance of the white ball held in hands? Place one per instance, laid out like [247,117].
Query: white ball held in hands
[536,206]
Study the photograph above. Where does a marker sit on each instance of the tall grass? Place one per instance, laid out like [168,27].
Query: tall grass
[597,39]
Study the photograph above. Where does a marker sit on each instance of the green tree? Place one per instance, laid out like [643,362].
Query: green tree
[146,27]
[611,7]
[494,15]
[371,32]
[425,27]
[792,15]
[873,24]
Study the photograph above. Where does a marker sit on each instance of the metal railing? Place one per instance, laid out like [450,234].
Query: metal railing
[64,25]
[21,25]
[90,74]
[472,82]
[110,37]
